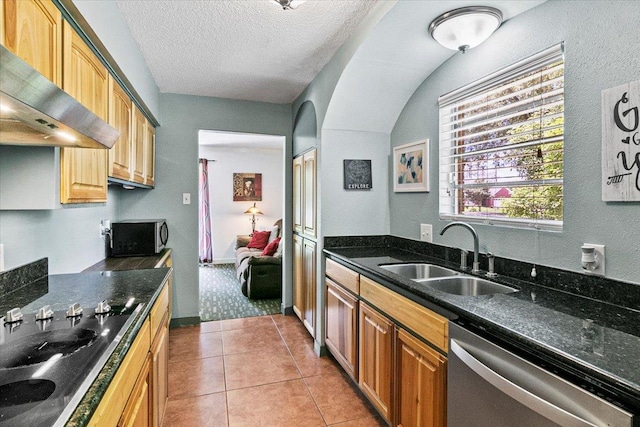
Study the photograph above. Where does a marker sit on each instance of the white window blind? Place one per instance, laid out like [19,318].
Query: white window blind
[501,146]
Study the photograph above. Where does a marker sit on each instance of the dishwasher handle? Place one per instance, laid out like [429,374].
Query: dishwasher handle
[530,400]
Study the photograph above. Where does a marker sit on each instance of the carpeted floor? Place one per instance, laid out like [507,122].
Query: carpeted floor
[221,297]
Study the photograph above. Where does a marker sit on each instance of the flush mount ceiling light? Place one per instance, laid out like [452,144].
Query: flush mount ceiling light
[466,27]
[289,4]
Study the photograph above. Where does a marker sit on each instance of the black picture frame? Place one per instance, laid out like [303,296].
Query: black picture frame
[357,174]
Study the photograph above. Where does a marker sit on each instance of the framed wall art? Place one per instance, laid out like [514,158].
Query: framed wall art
[247,187]
[411,167]
[621,143]
[357,175]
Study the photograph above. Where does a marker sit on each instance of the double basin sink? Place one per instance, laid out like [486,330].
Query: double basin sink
[446,280]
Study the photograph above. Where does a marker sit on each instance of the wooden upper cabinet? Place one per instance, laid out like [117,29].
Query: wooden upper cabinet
[120,112]
[32,29]
[297,194]
[149,154]
[84,171]
[310,185]
[138,142]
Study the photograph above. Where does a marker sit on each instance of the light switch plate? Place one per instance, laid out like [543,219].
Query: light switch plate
[426,232]
[186,198]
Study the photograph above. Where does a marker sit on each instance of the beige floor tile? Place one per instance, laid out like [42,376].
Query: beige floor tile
[246,340]
[273,405]
[294,332]
[337,398]
[308,362]
[189,346]
[247,322]
[281,319]
[196,377]
[258,368]
[209,410]
[201,328]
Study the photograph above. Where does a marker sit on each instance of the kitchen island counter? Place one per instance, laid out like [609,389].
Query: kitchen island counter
[549,323]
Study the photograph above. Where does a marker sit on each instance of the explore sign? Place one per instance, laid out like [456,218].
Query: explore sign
[621,143]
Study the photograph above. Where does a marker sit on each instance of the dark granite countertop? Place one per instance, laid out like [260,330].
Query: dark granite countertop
[89,288]
[547,323]
[129,262]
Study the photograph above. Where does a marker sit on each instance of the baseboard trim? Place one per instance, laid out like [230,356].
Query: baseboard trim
[287,311]
[184,321]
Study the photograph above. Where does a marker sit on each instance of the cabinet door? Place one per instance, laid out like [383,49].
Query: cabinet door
[136,413]
[139,132]
[297,195]
[309,200]
[149,153]
[84,171]
[342,327]
[160,374]
[421,383]
[32,29]
[376,359]
[120,118]
[309,267]
[299,297]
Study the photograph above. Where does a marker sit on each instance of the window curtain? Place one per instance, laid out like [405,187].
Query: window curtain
[204,222]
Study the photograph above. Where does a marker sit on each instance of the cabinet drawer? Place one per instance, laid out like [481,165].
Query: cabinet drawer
[424,322]
[158,311]
[349,279]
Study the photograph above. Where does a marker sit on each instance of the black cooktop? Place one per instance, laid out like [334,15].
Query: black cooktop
[46,365]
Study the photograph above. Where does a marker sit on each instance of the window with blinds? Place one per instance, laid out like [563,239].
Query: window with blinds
[501,146]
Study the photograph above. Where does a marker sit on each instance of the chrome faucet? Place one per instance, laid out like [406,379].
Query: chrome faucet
[476,242]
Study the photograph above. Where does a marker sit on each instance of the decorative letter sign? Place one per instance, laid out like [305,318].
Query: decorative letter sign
[621,143]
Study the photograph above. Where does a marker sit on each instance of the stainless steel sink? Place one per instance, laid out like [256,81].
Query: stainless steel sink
[420,271]
[468,286]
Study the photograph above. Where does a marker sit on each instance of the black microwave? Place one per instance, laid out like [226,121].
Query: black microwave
[138,237]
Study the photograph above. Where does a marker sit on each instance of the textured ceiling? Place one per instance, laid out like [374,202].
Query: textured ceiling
[240,49]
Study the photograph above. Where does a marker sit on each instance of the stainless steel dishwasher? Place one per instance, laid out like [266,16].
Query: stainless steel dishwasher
[489,386]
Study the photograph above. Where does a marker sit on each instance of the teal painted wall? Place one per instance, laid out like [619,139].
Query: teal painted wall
[182,116]
[602,41]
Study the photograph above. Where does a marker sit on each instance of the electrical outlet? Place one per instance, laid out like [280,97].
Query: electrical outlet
[186,198]
[597,267]
[426,232]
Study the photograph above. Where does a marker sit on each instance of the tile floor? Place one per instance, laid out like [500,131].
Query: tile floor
[258,372]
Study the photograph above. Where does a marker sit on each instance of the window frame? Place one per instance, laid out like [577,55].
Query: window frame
[451,175]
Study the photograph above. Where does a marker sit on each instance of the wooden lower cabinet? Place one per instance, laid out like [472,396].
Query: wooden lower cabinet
[136,413]
[160,374]
[139,391]
[115,399]
[304,281]
[342,327]
[376,359]
[421,374]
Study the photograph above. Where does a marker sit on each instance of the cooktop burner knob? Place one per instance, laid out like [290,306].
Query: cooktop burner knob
[103,307]
[13,316]
[44,313]
[75,310]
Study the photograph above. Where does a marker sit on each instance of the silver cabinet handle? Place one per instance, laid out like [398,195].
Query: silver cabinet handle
[533,402]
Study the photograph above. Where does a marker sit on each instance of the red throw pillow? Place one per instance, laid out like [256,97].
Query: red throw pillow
[271,248]
[259,239]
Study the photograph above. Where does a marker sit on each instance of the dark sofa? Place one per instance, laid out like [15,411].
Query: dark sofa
[260,276]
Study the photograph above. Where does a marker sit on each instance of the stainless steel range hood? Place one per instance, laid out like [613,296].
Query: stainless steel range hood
[34,111]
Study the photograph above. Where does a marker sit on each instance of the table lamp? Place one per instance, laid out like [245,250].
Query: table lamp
[253,211]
